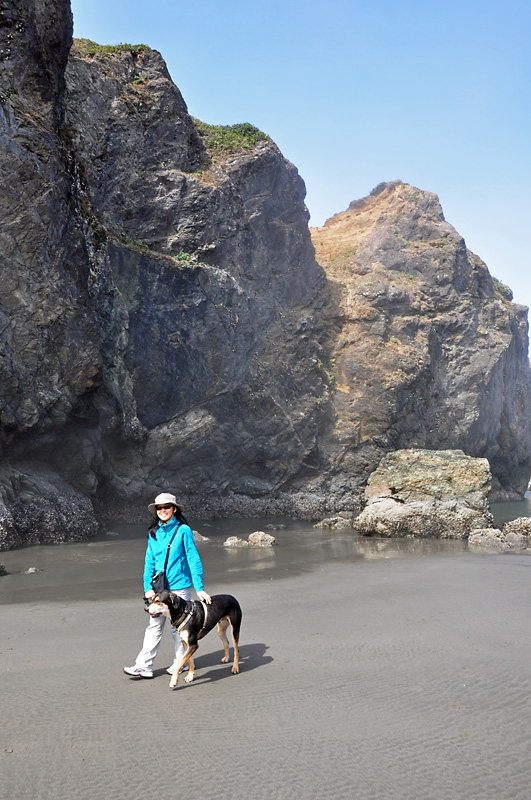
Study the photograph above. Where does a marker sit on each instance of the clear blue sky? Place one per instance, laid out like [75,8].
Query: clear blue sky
[356,92]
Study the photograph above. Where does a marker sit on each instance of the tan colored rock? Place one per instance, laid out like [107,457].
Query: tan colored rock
[337,523]
[493,537]
[520,525]
[487,537]
[235,541]
[261,539]
[426,493]
[429,351]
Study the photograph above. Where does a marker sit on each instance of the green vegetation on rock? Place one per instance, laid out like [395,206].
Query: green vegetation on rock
[229,138]
[501,290]
[89,48]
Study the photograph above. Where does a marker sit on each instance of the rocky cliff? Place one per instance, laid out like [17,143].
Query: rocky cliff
[165,323]
[427,351]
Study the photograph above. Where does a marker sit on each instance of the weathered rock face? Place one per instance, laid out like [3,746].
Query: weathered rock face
[208,355]
[49,342]
[159,318]
[427,350]
[426,493]
[165,324]
[135,145]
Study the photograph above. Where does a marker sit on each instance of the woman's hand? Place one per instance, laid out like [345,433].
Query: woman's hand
[205,597]
[149,594]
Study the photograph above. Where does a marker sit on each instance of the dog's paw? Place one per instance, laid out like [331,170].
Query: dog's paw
[224,659]
[173,682]
[235,669]
[189,678]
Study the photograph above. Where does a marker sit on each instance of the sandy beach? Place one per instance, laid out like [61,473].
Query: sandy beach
[399,678]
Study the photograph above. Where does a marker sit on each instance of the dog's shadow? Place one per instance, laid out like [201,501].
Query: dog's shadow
[252,656]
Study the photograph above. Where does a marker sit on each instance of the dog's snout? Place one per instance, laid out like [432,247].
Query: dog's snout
[154,610]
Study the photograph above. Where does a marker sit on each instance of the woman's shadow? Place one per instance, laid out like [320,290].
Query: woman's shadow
[252,656]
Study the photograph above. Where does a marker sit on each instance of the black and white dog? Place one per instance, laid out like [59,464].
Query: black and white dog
[193,619]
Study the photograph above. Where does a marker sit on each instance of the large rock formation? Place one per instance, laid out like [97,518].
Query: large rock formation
[165,323]
[428,350]
[208,343]
[159,301]
[437,493]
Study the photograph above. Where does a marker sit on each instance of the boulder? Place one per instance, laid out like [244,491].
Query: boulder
[495,538]
[520,525]
[261,539]
[235,541]
[426,493]
[337,522]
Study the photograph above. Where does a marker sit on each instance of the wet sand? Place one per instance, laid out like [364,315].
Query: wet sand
[403,677]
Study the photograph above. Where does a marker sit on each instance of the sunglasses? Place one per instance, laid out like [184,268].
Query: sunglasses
[165,508]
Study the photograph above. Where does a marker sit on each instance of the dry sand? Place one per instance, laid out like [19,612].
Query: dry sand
[403,679]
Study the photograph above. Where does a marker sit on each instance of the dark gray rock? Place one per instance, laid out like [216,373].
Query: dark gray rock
[133,140]
[37,506]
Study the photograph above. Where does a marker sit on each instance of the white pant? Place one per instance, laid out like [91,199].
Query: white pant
[153,635]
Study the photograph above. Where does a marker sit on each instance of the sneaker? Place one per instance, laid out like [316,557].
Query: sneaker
[136,672]
[183,669]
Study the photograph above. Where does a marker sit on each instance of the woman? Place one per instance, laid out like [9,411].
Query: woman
[184,569]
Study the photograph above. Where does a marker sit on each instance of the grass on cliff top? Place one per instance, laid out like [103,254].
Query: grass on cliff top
[89,48]
[229,138]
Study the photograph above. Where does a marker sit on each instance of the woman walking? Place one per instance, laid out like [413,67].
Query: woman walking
[184,568]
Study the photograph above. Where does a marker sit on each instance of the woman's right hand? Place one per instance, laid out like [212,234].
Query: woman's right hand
[149,594]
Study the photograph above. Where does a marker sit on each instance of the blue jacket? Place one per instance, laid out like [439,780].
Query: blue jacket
[184,565]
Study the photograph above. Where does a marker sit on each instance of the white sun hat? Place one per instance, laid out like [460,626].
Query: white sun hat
[162,500]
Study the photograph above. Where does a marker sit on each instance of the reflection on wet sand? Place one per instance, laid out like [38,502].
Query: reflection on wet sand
[111,565]
[398,548]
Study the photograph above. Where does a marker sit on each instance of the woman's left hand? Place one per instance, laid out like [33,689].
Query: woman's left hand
[205,597]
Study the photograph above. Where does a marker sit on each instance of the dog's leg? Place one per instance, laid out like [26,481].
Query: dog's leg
[222,626]
[235,639]
[190,644]
[177,668]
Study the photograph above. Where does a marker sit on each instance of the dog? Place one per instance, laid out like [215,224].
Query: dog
[194,619]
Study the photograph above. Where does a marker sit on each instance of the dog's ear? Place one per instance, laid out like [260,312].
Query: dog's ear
[175,600]
[164,596]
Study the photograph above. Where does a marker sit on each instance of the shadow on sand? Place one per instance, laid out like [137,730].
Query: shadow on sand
[252,656]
